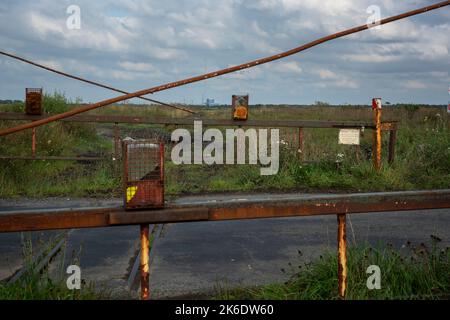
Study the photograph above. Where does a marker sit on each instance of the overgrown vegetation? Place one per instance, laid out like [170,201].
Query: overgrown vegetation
[422,153]
[413,272]
[44,284]
[52,178]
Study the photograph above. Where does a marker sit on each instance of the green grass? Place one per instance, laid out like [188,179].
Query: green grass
[47,285]
[414,272]
[54,178]
[41,287]
[422,154]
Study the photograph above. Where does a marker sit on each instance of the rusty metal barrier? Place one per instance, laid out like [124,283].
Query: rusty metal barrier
[282,206]
[217,73]
[228,208]
[378,126]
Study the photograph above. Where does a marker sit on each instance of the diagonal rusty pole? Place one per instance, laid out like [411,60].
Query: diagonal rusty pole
[217,73]
[88,81]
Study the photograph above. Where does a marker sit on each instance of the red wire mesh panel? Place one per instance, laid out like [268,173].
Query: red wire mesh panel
[239,106]
[33,101]
[143,174]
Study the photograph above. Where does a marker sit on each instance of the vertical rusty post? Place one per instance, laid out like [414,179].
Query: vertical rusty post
[161,161]
[145,267]
[358,152]
[300,143]
[33,142]
[392,140]
[116,140]
[342,255]
[376,106]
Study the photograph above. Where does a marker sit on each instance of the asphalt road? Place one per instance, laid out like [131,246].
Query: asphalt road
[197,258]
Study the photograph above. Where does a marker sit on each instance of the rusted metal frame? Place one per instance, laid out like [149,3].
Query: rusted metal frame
[89,81]
[300,124]
[52,158]
[217,73]
[125,160]
[135,270]
[190,121]
[389,125]
[312,209]
[145,261]
[32,220]
[342,254]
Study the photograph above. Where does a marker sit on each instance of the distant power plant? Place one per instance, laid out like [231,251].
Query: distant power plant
[210,102]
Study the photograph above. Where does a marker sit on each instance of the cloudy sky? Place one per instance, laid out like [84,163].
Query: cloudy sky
[136,44]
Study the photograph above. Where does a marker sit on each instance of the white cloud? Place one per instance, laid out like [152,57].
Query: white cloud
[136,66]
[289,67]
[370,58]
[414,84]
[132,40]
[326,74]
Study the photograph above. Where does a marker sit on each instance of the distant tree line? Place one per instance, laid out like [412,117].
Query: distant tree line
[10,101]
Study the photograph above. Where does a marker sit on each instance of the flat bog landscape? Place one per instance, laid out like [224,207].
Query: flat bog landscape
[224,159]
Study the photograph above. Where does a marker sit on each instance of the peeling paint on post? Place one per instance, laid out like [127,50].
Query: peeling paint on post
[145,267]
[376,106]
[342,255]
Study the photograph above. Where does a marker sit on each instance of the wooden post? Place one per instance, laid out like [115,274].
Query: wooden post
[358,152]
[392,141]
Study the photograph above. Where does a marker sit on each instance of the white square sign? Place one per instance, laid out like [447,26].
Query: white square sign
[349,136]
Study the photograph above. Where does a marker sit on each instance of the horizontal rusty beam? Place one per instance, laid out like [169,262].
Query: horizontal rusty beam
[52,158]
[389,125]
[34,220]
[228,209]
[216,122]
[170,215]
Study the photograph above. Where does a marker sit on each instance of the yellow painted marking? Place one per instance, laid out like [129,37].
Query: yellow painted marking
[131,191]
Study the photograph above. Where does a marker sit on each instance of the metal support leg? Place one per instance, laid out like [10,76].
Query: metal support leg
[342,255]
[145,264]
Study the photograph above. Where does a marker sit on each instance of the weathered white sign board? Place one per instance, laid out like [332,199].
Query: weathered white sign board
[349,136]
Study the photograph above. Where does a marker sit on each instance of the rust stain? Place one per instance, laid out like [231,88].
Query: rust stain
[342,255]
[144,260]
